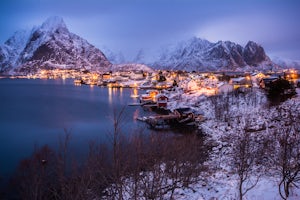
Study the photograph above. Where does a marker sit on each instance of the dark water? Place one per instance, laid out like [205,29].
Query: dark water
[36,112]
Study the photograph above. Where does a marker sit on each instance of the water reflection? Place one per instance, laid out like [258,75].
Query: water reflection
[135,93]
[63,80]
[92,87]
[136,114]
[110,94]
[121,92]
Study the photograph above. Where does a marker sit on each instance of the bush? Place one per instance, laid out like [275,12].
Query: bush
[280,90]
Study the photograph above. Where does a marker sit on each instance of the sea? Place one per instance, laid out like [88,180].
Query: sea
[37,112]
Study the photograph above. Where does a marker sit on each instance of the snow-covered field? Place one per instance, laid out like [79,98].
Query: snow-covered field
[222,184]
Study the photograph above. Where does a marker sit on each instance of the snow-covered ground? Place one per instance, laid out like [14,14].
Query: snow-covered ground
[250,109]
[237,112]
[222,184]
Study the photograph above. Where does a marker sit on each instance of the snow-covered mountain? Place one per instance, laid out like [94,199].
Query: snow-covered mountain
[201,55]
[129,67]
[287,63]
[49,46]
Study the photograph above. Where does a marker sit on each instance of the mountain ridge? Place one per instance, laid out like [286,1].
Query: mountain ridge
[198,54]
[50,46]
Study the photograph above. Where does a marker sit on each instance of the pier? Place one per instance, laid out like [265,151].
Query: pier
[159,121]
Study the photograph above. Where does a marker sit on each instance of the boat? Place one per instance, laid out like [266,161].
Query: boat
[149,96]
[134,96]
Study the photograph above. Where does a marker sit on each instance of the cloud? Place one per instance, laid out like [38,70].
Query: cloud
[277,33]
[241,29]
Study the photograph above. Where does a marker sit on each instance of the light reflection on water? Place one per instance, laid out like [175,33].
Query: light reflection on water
[110,95]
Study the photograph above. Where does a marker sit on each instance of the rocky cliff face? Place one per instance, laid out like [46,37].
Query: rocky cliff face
[202,55]
[254,54]
[49,46]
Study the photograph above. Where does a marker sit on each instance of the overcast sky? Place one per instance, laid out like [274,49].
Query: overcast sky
[130,25]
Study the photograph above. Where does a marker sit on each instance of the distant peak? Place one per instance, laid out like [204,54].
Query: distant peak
[196,39]
[251,43]
[54,22]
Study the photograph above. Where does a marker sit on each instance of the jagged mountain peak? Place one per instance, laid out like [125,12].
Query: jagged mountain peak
[50,46]
[252,43]
[53,23]
[200,54]
[252,46]
[195,43]
[196,40]
[254,54]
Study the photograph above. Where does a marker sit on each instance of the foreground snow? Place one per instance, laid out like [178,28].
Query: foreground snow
[224,186]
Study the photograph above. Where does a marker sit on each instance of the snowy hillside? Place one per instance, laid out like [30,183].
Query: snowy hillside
[286,63]
[131,67]
[12,48]
[48,46]
[202,55]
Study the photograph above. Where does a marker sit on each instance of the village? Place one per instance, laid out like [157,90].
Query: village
[168,93]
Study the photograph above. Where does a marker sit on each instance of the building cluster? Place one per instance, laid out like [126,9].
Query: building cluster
[207,83]
[163,90]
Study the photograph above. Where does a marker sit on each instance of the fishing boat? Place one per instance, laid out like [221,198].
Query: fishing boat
[149,96]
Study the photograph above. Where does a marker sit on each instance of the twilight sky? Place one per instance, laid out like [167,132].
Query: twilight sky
[130,25]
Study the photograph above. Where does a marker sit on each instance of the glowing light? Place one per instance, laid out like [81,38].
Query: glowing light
[110,95]
[135,93]
[121,92]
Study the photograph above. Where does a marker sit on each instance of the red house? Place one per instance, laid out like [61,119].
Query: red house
[161,100]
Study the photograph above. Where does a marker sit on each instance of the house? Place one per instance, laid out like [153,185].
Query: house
[291,75]
[161,100]
[224,87]
[149,96]
[244,82]
[265,83]
[106,76]
[137,75]
[256,77]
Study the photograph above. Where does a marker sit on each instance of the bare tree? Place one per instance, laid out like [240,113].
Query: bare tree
[287,156]
[244,156]
[35,176]
[118,141]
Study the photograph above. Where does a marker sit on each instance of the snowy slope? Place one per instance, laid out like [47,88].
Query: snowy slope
[131,67]
[49,46]
[202,55]
[287,63]
[12,48]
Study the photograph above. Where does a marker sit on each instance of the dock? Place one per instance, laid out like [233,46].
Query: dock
[159,121]
[172,119]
